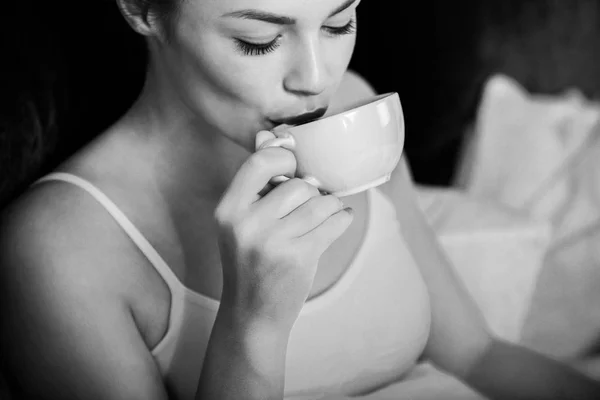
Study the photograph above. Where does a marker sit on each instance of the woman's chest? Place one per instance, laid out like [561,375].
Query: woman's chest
[196,258]
[371,326]
[366,329]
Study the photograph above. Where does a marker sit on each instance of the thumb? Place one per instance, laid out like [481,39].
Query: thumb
[262,137]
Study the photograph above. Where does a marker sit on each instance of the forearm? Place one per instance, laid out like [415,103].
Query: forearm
[512,372]
[457,337]
[243,361]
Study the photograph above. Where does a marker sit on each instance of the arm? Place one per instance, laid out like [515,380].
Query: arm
[508,371]
[455,317]
[460,342]
[259,350]
[243,360]
[66,331]
[270,242]
[589,366]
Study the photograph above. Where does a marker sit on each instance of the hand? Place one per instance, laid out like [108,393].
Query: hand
[459,334]
[270,243]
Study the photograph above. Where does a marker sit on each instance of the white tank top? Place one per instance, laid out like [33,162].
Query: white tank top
[364,332]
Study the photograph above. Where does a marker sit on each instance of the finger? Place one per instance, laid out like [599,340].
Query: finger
[310,215]
[254,175]
[285,198]
[262,137]
[267,189]
[320,238]
[279,138]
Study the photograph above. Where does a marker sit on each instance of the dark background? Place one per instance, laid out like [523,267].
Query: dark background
[69,68]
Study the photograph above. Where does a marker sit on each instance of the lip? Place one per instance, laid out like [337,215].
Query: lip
[302,118]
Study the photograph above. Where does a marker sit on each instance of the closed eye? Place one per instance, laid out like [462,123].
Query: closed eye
[257,49]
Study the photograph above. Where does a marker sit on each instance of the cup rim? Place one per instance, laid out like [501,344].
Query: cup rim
[370,101]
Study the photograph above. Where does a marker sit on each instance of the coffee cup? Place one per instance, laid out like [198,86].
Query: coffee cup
[347,152]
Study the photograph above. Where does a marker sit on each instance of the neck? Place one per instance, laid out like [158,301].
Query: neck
[186,153]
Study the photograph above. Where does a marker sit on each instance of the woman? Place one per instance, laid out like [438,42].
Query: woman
[123,304]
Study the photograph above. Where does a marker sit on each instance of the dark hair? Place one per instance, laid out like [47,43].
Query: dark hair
[32,98]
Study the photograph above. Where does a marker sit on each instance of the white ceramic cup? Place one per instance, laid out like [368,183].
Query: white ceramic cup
[348,152]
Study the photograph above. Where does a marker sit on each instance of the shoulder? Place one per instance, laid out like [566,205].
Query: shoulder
[401,186]
[356,84]
[57,234]
[353,88]
[63,285]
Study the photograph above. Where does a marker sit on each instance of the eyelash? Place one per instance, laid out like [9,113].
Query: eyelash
[259,49]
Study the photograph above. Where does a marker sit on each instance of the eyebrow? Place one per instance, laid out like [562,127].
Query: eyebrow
[279,19]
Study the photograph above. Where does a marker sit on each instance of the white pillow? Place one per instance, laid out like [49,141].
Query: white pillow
[540,154]
[497,251]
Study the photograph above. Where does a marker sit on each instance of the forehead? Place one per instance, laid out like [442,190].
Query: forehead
[297,9]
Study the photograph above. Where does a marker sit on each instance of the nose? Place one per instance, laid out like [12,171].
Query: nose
[308,74]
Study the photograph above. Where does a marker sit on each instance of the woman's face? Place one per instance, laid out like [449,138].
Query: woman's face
[247,65]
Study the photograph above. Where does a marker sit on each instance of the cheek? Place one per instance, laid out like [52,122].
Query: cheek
[338,55]
[344,53]
[214,69]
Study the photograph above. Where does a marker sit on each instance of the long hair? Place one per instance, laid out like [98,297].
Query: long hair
[31,98]
[64,79]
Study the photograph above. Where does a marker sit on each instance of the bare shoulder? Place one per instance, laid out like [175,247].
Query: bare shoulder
[353,88]
[57,235]
[53,244]
[356,84]
[68,332]
[57,224]
[401,186]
